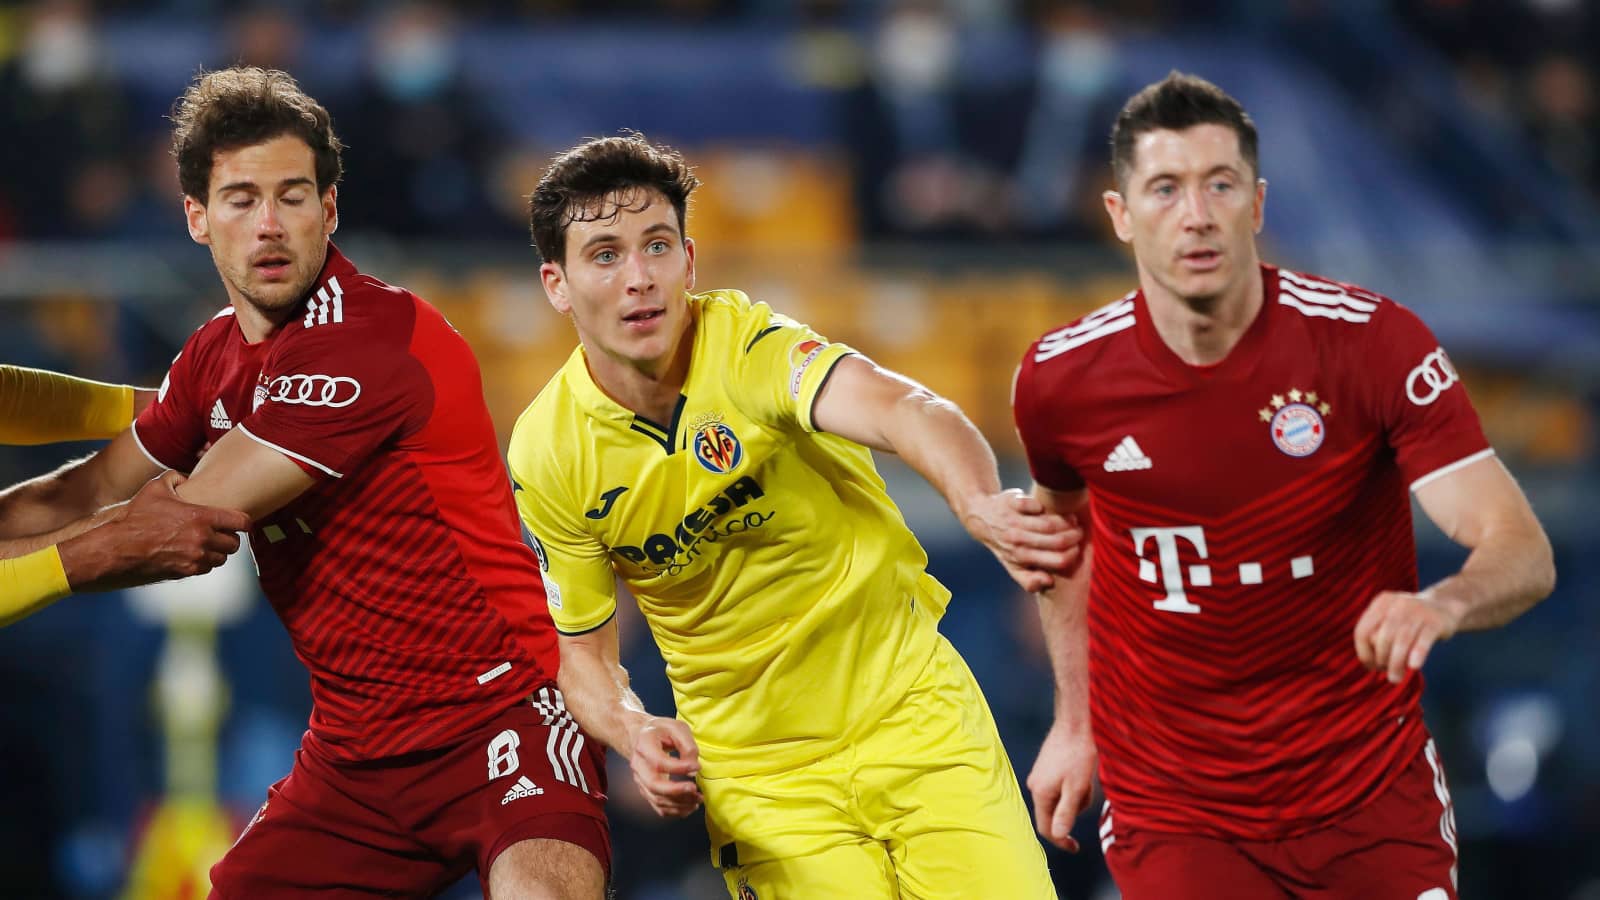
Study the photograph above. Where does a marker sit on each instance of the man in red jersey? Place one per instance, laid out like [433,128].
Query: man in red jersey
[1243,636]
[346,417]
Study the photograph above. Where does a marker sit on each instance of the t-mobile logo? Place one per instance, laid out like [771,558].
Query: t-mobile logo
[1171,576]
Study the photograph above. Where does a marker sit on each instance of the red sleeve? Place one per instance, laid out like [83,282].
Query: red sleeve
[333,394]
[171,430]
[1046,460]
[1425,412]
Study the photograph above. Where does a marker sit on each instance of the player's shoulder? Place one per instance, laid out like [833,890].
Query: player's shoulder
[548,420]
[360,302]
[1324,302]
[211,337]
[724,303]
[539,454]
[352,317]
[1084,340]
[732,316]
[219,326]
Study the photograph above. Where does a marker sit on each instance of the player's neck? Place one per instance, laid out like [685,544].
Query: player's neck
[1202,331]
[649,388]
[255,323]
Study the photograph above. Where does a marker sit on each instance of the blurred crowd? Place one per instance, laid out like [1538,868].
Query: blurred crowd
[1531,64]
[968,119]
[838,132]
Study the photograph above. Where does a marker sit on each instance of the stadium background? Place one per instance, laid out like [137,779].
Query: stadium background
[919,178]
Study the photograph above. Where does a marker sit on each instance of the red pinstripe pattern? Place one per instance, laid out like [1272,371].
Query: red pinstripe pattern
[1251,718]
[413,580]
[395,639]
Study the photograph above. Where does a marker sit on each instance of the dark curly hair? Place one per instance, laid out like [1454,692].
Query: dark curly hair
[578,183]
[242,106]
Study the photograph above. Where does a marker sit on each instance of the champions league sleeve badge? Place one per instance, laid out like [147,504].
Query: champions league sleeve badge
[1297,425]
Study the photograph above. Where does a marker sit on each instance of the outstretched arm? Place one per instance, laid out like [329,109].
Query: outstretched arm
[40,407]
[163,532]
[154,536]
[886,411]
[660,751]
[39,509]
[236,474]
[1509,569]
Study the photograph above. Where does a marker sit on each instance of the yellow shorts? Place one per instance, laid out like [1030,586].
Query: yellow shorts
[925,806]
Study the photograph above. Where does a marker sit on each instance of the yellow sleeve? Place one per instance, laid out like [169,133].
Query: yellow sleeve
[781,367]
[30,583]
[578,579]
[39,407]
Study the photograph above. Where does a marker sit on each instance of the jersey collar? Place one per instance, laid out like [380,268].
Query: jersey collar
[590,397]
[598,404]
[334,264]
[1240,361]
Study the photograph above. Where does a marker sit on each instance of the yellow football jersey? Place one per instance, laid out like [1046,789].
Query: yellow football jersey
[789,599]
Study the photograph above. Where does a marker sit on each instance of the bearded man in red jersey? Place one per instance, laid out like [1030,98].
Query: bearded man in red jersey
[346,418]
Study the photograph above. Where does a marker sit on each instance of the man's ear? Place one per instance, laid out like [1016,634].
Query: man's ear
[195,215]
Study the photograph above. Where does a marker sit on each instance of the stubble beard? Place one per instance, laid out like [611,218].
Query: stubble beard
[1205,303]
[277,299]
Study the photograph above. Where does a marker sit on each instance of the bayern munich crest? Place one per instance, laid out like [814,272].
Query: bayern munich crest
[716,446]
[1297,421]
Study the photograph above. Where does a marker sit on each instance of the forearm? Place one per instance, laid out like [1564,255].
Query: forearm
[43,505]
[597,694]
[71,532]
[1503,577]
[38,407]
[937,440]
[1064,616]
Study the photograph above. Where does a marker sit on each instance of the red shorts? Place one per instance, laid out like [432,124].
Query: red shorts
[1400,846]
[414,825]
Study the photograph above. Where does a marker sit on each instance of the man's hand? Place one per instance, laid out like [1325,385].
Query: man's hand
[1399,628]
[153,537]
[1061,783]
[1032,544]
[664,761]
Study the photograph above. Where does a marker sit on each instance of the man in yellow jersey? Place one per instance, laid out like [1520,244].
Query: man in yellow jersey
[715,455]
[153,536]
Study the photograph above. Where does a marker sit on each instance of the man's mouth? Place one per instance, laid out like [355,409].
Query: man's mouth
[1204,259]
[271,266]
[644,316]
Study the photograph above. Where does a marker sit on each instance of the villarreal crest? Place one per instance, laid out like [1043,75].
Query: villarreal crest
[716,446]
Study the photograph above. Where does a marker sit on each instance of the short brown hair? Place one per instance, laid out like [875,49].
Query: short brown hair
[577,182]
[242,106]
[1175,103]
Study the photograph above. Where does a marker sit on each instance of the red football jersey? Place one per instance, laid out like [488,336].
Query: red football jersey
[401,575]
[1243,516]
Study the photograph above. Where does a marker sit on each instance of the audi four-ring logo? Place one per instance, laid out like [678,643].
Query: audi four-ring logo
[1432,377]
[336,391]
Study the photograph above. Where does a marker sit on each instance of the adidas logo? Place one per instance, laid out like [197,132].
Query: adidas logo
[523,788]
[1127,457]
[219,417]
